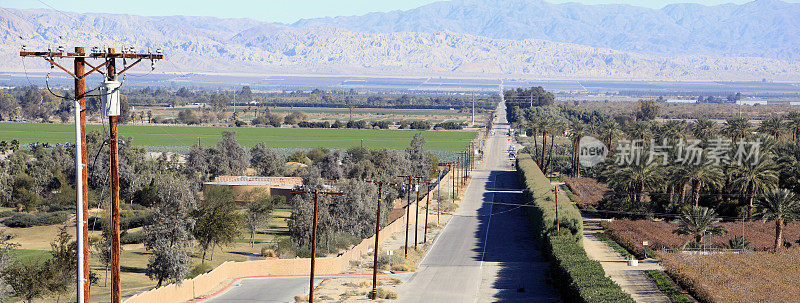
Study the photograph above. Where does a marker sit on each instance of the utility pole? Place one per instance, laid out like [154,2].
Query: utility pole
[473,109]
[81,177]
[373,295]
[557,222]
[453,178]
[428,209]
[79,57]
[116,294]
[316,193]
[408,213]
[416,214]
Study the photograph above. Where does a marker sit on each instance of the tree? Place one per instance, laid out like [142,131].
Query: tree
[220,101]
[737,129]
[772,126]
[330,166]
[794,125]
[6,260]
[228,158]
[169,238]
[63,265]
[188,116]
[260,206]
[216,220]
[699,222]
[781,206]
[648,110]
[704,129]
[7,105]
[637,179]
[700,177]
[420,163]
[295,117]
[755,179]
[266,161]
[27,280]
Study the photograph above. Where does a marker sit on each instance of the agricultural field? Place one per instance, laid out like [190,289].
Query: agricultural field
[586,192]
[631,233]
[738,277]
[157,135]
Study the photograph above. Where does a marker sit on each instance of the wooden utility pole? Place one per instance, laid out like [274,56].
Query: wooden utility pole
[116,292]
[416,212]
[79,74]
[408,213]
[453,178]
[557,222]
[316,193]
[427,208]
[373,295]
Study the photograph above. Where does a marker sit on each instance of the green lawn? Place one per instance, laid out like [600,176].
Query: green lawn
[248,136]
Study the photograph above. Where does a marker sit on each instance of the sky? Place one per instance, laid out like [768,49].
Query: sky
[282,11]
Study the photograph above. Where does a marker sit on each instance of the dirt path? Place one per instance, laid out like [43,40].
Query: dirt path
[633,279]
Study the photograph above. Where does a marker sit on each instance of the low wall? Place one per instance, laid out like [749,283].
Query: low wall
[205,284]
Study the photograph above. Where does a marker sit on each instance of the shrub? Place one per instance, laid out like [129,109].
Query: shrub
[383,294]
[135,237]
[580,279]
[199,269]
[665,284]
[449,125]
[37,219]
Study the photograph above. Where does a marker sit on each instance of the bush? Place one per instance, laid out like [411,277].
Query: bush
[37,219]
[199,269]
[135,237]
[579,278]
[383,294]
[449,125]
[665,284]
[127,220]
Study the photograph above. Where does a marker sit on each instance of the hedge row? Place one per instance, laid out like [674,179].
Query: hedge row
[578,278]
[127,220]
[37,219]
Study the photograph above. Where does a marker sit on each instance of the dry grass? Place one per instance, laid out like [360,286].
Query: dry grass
[631,233]
[730,277]
[586,191]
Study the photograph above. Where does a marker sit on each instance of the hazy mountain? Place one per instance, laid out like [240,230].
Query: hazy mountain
[205,44]
[763,28]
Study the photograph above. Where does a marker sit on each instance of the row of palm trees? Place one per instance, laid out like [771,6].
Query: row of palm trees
[776,166]
[779,206]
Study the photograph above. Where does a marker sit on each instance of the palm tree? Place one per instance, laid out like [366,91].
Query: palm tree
[577,131]
[673,130]
[772,126]
[639,178]
[640,130]
[703,129]
[794,125]
[609,131]
[699,222]
[703,176]
[780,205]
[737,128]
[755,179]
[556,128]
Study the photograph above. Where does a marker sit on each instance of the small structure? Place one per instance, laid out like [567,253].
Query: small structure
[281,186]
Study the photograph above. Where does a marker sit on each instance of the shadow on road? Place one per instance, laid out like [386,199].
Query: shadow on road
[513,267]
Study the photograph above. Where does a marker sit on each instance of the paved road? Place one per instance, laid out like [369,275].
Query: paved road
[486,252]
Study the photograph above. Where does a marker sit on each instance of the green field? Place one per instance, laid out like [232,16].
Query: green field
[247,136]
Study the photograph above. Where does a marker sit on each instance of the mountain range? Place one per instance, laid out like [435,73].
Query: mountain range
[503,38]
